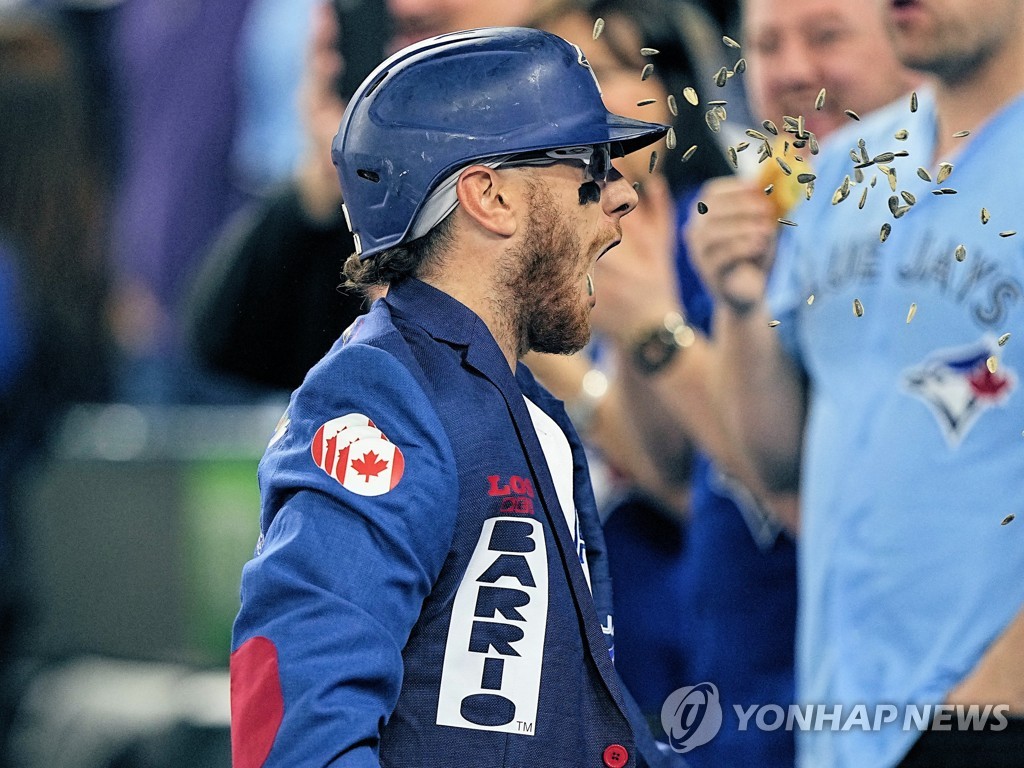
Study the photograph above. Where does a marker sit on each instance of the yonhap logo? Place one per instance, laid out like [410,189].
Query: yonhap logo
[691,716]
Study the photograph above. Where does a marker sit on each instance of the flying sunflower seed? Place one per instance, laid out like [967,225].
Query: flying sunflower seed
[913,101]
[645,102]
[1008,233]
[874,180]
[788,121]
[894,204]
[756,135]
[801,133]
[653,163]
[598,27]
[845,186]
[985,216]
[891,175]
[1003,339]
[854,156]
[702,207]
[901,135]
[808,190]
[648,70]
[742,145]
[907,196]
[863,147]
[858,308]
[720,111]
[717,103]
[721,77]
[960,253]
[691,96]
[945,191]
[901,212]
[730,42]
[883,235]
[766,147]
[810,300]
[992,364]
[813,141]
[901,153]
[670,138]
[773,323]
[649,51]
[885,157]
[733,158]
[770,127]
[819,103]
[785,148]
[787,222]
[863,198]
[672,106]
[689,153]
[1008,519]
[944,170]
[785,168]
[740,66]
[799,143]
[803,178]
[961,134]
[769,189]
[636,186]
[911,312]
[858,175]
[713,121]
[839,195]
[851,114]
[923,173]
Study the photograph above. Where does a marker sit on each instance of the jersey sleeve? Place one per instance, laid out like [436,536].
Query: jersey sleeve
[360,498]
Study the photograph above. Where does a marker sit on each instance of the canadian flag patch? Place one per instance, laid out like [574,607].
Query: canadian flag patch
[354,452]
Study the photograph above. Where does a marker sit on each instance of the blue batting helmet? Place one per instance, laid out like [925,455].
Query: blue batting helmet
[454,100]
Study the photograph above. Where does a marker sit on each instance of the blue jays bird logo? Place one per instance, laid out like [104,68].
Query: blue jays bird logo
[959,384]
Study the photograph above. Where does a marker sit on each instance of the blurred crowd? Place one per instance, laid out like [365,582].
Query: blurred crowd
[171,238]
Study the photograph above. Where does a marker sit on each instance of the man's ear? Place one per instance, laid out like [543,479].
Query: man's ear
[486,196]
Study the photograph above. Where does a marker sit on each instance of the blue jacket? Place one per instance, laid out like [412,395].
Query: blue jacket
[416,597]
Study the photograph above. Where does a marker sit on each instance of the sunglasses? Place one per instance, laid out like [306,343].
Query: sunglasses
[596,159]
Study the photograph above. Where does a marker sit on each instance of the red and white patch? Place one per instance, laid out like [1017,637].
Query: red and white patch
[358,455]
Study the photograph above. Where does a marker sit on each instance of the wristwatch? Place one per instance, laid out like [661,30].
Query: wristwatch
[656,348]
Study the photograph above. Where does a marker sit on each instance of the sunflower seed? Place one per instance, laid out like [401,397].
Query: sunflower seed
[944,170]
[845,186]
[799,143]
[961,134]
[858,308]
[789,123]
[672,107]
[913,101]
[809,190]
[721,77]
[858,175]
[1003,339]
[894,203]
[598,27]
[689,153]
[766,147]
[813,141]
[733,157]
[740,66]
[901,153]
[992,364]
[854,156]
[645,102]
[908,197]
[770,127]
[819,103]
[648,70]
[1008,519]
[730,42]
[863,198]
[810,300]
[649,51]
[785,168]
[901,211]
[911,312]
[773,323]
[985,216]
[713,121]
[885,157]
[863,151]
[717,103]
[874,180]
[883,235]
[947,191]
[923,173]
[960,253]
[803,178]
[636,186]
[742,145]
[756,135]
[670,138]
[720,111]
[691,95]
[785,148]
[787,222]
[653,163]
[702,207]
[851,114]
[901,135]
[769,189]
[838,196]
[800,132]
[1008,233]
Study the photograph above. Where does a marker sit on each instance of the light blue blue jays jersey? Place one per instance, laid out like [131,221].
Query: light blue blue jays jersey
[913,453]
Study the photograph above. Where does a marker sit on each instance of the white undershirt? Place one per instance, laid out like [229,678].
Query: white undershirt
[558,455]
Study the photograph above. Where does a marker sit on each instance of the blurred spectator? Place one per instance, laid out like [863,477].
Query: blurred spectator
[52,279]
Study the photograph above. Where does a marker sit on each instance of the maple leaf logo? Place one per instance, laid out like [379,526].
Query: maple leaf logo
[370,465]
